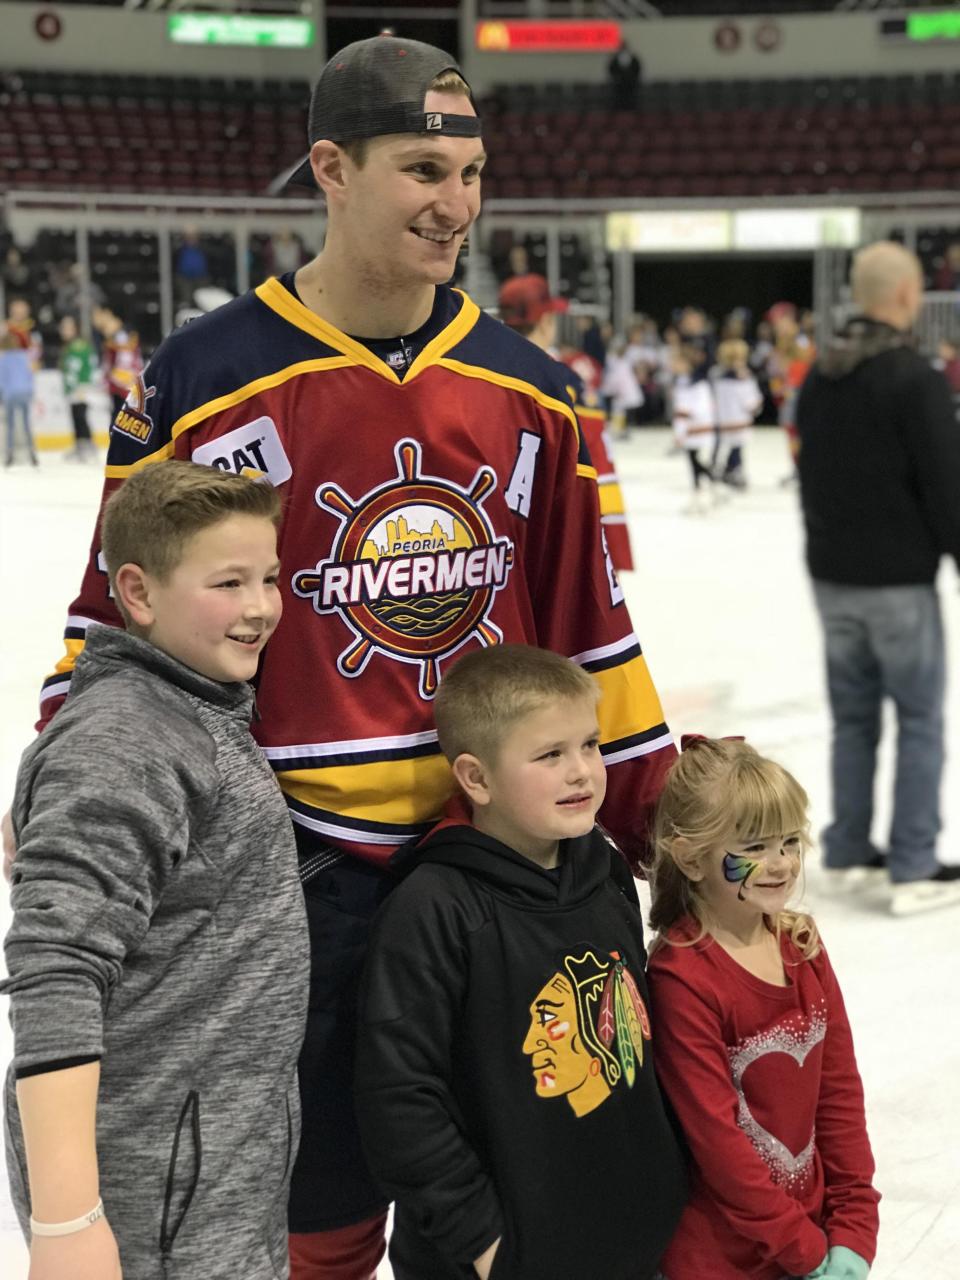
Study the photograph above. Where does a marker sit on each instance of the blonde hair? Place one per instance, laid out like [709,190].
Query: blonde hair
[489,690]
[732,351]
[155,512]
[719,791]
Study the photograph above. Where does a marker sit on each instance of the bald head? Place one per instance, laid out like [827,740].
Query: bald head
[887,283]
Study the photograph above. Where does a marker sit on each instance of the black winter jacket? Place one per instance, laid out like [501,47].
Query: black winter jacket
[879,461]
[505,1082]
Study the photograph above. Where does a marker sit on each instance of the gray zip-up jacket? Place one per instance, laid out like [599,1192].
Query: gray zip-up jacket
[159,926]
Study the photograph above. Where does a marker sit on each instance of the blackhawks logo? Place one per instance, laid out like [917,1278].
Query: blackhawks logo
[413,570]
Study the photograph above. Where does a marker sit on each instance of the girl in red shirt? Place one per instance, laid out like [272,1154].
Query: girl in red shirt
[753,1045]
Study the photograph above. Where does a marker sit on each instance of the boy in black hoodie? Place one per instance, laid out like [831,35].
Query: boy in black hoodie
[505,1084]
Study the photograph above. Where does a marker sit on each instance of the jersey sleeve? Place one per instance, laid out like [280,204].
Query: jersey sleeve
[141,433]
[850,1201]
[694,1070]
[580,611]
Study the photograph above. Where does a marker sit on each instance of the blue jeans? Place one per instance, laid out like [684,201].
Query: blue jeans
[17,406]
[884,642]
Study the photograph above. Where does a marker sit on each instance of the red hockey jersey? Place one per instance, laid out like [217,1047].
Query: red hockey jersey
[422,518]
[121,362]
[613,513]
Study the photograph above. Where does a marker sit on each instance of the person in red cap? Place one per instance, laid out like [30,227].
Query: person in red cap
[526,305]
[437,499]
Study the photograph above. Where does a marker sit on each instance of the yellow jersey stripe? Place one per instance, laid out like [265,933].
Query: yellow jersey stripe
[120,473]
[73,647]
[281,300]
[611,500]
[455,332]
[629,702]
[401,792]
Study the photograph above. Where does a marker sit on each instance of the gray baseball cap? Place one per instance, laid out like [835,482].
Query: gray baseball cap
[375,87]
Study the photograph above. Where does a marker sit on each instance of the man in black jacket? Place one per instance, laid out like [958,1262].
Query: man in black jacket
[880,486]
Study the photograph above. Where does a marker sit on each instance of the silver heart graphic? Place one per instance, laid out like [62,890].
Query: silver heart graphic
[787,1166]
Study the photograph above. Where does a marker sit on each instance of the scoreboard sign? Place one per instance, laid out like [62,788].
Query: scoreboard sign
[923,28]
[561,36]
[240,29]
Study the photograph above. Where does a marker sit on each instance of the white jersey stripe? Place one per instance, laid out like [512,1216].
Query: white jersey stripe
[350,835]
[607,651]
[55,690]
[642,749]
[354,746]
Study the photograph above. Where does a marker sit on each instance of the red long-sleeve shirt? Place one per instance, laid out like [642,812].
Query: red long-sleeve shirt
[765,1083]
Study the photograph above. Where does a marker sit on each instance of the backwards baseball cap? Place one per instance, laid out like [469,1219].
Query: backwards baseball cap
[378,86]
[524,299]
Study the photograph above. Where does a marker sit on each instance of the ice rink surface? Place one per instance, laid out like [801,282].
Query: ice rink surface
[722,606]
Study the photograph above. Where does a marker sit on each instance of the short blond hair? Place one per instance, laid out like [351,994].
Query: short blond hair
[487,692]
[732,351]
[719,791]
[155,512]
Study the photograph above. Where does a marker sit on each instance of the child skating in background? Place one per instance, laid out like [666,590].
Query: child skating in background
[16,392]
[738,401]
[753,1045]
[77,364]
[694,427]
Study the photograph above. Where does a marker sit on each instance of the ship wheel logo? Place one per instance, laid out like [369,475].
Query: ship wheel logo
[414,568]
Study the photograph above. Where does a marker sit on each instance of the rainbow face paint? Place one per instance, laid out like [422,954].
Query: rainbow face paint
[737,869]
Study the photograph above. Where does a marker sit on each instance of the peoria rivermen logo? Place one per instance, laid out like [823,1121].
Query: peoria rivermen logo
[414,568]
[133,419]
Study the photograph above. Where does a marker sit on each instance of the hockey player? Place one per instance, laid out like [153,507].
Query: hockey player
[525,305]
[436,499]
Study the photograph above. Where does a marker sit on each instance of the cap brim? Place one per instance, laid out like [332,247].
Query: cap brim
[559,305]
[300,175]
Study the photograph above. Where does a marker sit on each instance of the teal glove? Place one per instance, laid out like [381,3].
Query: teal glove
[819,1272]
[844,1264]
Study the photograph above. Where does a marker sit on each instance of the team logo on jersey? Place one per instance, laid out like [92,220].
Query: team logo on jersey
[254,450]
[414,568]
[588,1024]
[133,419]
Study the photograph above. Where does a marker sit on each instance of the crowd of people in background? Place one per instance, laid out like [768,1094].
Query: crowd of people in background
[110,358]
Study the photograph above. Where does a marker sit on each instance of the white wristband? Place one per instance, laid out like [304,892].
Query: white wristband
[67,1228]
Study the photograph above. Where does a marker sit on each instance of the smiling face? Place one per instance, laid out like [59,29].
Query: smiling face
[750,878]
[404,213]
[547,781]
[218,608]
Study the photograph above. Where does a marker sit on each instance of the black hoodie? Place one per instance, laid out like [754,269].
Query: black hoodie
[505,1081]
[879,461]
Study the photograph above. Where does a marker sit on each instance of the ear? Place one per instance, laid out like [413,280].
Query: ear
[685,858]
[471,774]
[327,163]
[132,587]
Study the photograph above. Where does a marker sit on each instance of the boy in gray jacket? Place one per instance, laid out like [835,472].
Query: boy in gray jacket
[158,955]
